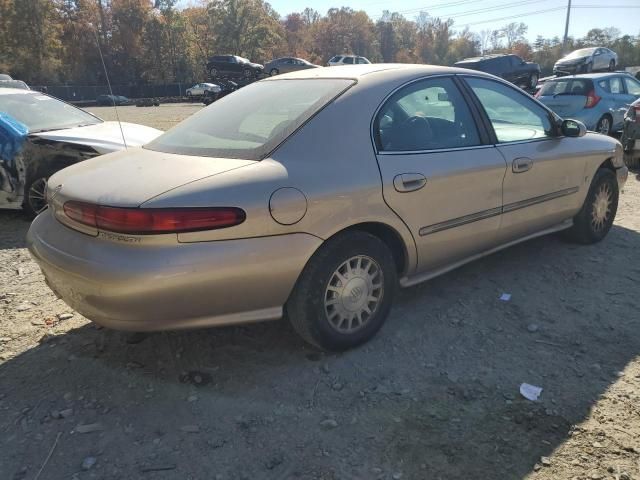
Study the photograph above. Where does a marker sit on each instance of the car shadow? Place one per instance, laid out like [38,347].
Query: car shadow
[434,395]
[14,225]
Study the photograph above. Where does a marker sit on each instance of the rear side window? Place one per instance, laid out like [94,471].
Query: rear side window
[348,60]
[615,85]
[426,115]
[251,122]
[569,86]
[337,58]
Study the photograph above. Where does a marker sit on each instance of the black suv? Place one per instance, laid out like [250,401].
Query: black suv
[233,66]
[510,67]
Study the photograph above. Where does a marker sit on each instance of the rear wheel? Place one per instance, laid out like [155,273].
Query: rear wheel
[274,71]
[344,293]
[213,72]
[595,218]
[604,125]
[533,80]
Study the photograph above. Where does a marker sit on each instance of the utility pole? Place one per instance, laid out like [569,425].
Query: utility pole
[566,29]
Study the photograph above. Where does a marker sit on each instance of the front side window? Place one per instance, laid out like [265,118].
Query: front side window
[633,86]
[348,60]
[336,59]
[426,115]
[513,115]
[251,122]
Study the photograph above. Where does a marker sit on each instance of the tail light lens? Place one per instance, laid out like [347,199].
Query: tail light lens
[636,114]
[148,221]
[592,99]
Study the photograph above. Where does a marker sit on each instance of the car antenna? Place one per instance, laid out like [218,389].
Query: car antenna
[106,74]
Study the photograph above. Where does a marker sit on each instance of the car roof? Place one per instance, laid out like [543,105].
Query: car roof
[592,76]
[7,91]
[373,70]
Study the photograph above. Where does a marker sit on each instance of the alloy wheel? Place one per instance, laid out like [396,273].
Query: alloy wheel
[353,294]
[604,126]
[37,195]
[601,208]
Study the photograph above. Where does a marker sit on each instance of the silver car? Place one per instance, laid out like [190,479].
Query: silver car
[200,89]
[287,65]
[313,195]
[587,60]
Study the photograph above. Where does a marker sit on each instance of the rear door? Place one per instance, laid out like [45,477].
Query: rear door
[439,173]
[544,171]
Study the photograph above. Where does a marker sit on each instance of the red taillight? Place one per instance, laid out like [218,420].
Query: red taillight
[636,110]
[592,99]
[146,221]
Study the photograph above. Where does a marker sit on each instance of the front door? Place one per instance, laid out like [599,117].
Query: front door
[438,173]
[544,171]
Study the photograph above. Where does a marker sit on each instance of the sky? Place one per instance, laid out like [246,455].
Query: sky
[490,14]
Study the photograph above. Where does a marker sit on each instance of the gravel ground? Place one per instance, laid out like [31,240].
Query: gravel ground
[163,117]
[434,396]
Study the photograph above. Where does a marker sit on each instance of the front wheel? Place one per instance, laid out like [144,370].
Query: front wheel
[35,200]
[247,73]
[588,67]
[274,71]
[344,293]
[604,125]
[612,65]
[595,218]
[213,72]
[533,80]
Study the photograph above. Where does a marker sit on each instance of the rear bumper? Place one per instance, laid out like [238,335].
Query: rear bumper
[169,286]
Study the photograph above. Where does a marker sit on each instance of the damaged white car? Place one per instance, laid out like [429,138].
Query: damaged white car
[40,135]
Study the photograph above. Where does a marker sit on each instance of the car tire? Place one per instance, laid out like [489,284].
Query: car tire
[213,73]
[533,81]
[274,71]
[35,194]
[604,125]
[324,312]
[595,218]
[588,67]
[247,73]
[612,65]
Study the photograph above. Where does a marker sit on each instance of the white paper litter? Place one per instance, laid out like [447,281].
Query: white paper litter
[505,297]
[530,392]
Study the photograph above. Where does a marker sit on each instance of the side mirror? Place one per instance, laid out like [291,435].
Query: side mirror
[573,128]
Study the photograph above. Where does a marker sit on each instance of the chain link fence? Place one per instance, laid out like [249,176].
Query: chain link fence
[88,93]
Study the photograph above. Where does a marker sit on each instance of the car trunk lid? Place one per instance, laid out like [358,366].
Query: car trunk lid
[132,177]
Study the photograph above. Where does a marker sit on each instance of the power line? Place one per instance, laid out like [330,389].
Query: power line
[547,10]
[432,7]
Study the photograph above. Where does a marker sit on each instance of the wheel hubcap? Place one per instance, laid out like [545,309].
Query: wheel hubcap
[37,195]
[353,294]
[604,126]
[601,208]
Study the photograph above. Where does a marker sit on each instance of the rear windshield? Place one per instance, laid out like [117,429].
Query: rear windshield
[252,121]
[567,86]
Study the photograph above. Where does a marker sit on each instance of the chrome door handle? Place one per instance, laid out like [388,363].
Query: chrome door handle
[409,182]
[521,165]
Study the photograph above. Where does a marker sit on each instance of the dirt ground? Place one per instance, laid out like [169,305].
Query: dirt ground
[163,117]
[434,396]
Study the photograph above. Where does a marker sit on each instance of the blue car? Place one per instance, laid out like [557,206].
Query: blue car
[599,100]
